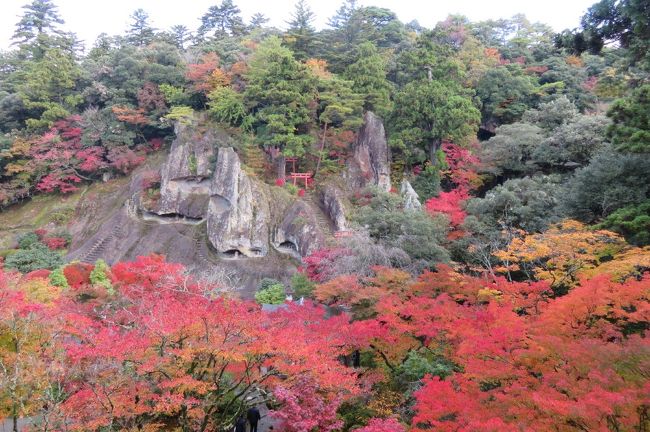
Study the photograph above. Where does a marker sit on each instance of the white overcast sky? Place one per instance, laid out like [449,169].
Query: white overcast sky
[88,18]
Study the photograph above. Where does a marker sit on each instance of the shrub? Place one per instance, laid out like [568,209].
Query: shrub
[292,188]
[25,241]
[273,294]
[55,243]
[99,276]
[37,274]
[78,274]
[57,278]
[267,283]
[427,183]
[180,113]
[61,215]
[415,232]
[38,256]
[301,285]
[611,181]
[632,221]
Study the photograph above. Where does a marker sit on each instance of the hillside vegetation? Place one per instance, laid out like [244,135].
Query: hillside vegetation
[444,229]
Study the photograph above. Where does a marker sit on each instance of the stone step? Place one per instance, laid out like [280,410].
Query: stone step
[322,220]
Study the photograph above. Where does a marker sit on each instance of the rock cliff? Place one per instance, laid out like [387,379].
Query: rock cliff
[212,215]
[184,188]
[238,212]
[410,197]
[332,199]
[299,233]
[370,163]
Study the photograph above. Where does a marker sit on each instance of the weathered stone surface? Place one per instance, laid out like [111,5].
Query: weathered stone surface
[299,233]
[238,212]
[332,199]
[370,164]
[185,183]
[411,198]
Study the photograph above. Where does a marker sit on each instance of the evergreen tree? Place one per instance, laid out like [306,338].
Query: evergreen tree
[47,86]
[339,109]
[344,36]
[352,25]
[258,20]
[368,75]
[430,111]
[38,30]
[222,20]
[280,92]
[40,17]
[181,35]
[631,116]
[506,93]
[140,32]
[343,16]
[301,35]
[433,105]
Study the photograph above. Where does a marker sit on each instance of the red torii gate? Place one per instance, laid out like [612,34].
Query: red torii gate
[297,176]
[293,161]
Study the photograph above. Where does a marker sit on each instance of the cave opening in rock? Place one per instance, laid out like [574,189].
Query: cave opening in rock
[233,254]
[181,217]
[165,218]
[288,245]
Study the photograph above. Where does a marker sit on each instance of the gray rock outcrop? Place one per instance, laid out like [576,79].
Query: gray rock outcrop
[410,197]
[299,233]
[332,199]
[238,212]
[370,163]
[184,188]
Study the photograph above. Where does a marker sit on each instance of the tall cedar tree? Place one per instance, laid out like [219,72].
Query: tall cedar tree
[41,16]
[280,93]
[222,20]
[368,75]
[301,35]
[140,32]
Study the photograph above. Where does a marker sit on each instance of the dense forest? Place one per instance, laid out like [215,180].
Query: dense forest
[494,278]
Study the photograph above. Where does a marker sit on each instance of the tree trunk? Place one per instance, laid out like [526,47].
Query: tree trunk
[280,166]
[434,146]
[320,151]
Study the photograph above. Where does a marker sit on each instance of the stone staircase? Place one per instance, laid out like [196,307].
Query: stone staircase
[199,245]
[98,248]
[255,159]
[323,222]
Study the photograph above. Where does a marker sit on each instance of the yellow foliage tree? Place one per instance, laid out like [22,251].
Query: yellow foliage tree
[569,251]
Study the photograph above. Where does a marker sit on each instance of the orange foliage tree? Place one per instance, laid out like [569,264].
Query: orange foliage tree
[569,250]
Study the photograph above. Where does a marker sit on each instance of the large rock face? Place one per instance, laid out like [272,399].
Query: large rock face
[332,199]
[299,233]
[411,198]
[370,164]
[185,183]
[238,213]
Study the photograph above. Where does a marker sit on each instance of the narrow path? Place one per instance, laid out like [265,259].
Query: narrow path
[98,248]
[325,224]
